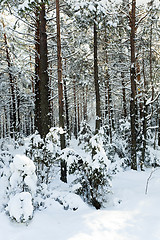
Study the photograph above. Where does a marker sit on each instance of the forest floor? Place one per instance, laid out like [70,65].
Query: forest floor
[130,215]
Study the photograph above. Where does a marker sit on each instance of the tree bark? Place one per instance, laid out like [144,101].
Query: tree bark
[133,90]
[124,96]
[75,109]
[66,101]
[44,79]
[60,94]
[37,73]
[98,111]
[12,89]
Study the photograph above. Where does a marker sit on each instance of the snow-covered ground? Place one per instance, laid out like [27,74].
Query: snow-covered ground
[133,216]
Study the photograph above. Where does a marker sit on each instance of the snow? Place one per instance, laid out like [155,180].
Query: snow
[20,207]
[133,216]
[129,214]
[140,2]
[23,168]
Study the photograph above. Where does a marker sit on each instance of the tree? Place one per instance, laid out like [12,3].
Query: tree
[44,79]
[96,82]
[60,94]
[133,87]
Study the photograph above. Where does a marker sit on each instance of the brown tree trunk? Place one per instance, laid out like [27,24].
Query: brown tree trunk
[108,92]
[78,111]
[60,94]
[44,79]
[66,100]
[133,90]
[109,108]
[98,111]
[84,105]
[37,73]
[150,56]
[75,109]
[124,96]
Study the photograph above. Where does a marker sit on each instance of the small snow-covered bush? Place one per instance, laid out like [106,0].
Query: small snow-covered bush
[22,188]
[41,156]
[92,184]
[118,151]
[5,159]
[92,180]
[84,135]
[20,207]
[44,153]
[23,177]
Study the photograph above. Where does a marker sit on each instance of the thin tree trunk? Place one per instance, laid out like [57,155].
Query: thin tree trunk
[98,111]
[66,100]
[150,58]
[60,94]
[37,73]
[144,132]
[124,96]
[75,109]
[84,105]
[108,92]
[44,79]
[133,90]
[109,110]
[78,111]
[12,89]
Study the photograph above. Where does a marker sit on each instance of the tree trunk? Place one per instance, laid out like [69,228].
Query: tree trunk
[78,111]
[109,108]
[12,89]
[150,55]
[124,96]
[44,79]
[98,111]
[37,73]
[75,109]
[84,104]
[144,114]
[66,101]
[133,90]
[60,94]
[108,92]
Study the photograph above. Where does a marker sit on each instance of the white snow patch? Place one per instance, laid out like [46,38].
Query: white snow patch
[20,207]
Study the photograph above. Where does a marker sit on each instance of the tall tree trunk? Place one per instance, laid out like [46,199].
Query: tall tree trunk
[98,111]
[122,60]
[84,104]
[124,96]
[78,111]
[150,53]
[60,94]
[66,99]
[18,110]
[44,79]
[37,73]
[108,92]
[133,90]
[75,109]
[109,108]
[12,89]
